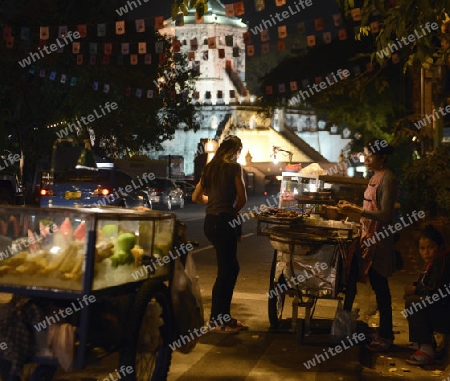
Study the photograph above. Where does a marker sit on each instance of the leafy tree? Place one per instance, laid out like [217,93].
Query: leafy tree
[30,104]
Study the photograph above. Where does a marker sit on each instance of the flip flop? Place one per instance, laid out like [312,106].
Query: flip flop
[239,325]
[420,358]
[224,330]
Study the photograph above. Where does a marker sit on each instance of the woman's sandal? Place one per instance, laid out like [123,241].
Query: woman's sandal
[225,329]
[420,358]
[239,325]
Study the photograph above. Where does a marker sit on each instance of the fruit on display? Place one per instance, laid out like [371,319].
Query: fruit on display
[110,230]
[122,255]
[80,231]
[66,228]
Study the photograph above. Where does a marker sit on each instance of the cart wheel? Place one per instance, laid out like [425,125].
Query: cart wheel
[43,373]
[276,302]
[150,331]
[300,331]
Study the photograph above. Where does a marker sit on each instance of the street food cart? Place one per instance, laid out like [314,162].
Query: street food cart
[310,241]
[100,274]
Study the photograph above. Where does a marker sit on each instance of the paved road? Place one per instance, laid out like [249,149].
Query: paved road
[264,354]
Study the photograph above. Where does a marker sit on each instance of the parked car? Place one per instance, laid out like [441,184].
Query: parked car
[187,189]
[165,193]
[84,187]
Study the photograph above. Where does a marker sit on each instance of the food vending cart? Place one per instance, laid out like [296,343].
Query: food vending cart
[310,241]
[91,282]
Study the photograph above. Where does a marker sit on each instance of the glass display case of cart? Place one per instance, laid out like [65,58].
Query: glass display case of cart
[82,250]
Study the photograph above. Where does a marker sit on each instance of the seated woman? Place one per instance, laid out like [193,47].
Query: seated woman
[427,307]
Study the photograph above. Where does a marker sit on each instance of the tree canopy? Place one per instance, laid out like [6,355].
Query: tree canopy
[45,96]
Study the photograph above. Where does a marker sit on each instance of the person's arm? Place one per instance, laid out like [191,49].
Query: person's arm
[389,192]
[241,193]
[198,195]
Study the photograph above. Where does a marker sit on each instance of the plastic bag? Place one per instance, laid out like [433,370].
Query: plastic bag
[187,303]
[344,323]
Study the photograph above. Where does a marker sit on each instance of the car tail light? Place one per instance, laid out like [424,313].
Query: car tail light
[99,191]
[47,192]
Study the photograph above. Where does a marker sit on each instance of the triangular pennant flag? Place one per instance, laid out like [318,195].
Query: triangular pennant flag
[342,34]
[159,47]
[107,48]
[120,27]
[159,22]
[247,38]
[79,59]
[282,31]
[375,26]
[43,35]
[265,48]
[92,60]
[101,30]
[199,20]
[327,37]
[318,24]
[134,59]
[250,50]
[229,10]
[10,42]
[7,33]
[92,48]
[140,25]
[142,48]
[239,8]
[76,47]
[260,5]
[125,48]
[265,35]
[148,59]
[311,40]
[293,86]
[281,46]
[162,58]
[337,19]
[82,29]
[176,45]
[24,33]
[356,14]
[62,31]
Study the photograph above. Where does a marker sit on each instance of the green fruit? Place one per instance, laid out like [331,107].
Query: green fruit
[110,230]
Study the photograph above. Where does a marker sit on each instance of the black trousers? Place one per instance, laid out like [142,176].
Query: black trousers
[380,286]
[424,319]
[223,236]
